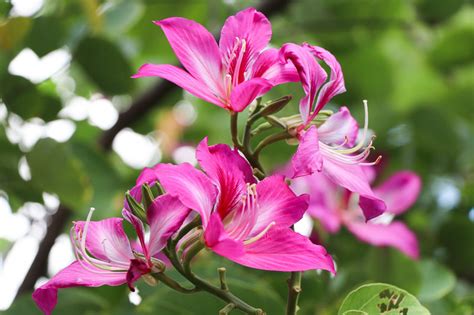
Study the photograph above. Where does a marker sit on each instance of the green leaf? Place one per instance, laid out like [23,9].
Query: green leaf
[47,34]
[245,284]
[107,185]
[105,65]
[54,168]
[17,189]
[456,235]
[121,15]
[390,266]
[437,281]
[72,301]
[455,44]
[380,298]
[26,100]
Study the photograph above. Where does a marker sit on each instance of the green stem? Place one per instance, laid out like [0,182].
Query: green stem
[173,284]
[203,285]
[269,140]
[233,129]
[186,229]
[247,131]
[294,289]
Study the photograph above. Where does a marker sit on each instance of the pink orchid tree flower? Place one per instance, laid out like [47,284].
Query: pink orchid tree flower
[330,148]
[230,75]
[246,221]
[334,207]
[105,255]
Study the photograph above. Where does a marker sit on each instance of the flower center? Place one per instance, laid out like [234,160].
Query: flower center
[78,239]
[259,235]
[244,219]
[347,155]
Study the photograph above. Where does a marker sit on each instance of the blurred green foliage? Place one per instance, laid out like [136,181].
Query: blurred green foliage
[412,60]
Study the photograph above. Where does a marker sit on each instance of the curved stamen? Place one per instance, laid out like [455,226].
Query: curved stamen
[87,262]
[345,155]
[243,221]
[78,238]
[238,63]
[259,235]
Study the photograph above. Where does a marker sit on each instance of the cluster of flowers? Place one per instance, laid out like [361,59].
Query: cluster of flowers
[240,217]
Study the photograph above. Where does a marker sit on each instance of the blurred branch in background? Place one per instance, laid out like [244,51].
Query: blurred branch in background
[40,264]
[139,107]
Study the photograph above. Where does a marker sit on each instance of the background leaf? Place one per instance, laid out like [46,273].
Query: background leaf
[380,298]
[55,169]
[99,58]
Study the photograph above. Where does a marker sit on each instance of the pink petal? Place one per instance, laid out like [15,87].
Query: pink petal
[281,249]
[353,178]
[74,275]
[399,191]
[307,158]
[182,79]
[192,187]
[278,204]
[106,240]
[139,230]
[395,234]
[340,128]
[165,216]
[324,199]
[244,94]
[370,173]
[335,85]
[196,49]
[249,25]
[268,66]
[311,74]
[228,170]
[217,239]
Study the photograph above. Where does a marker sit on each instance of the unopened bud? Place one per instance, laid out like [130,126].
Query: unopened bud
[147,196]
[135,207]
[270,108]
[275,121]
[157,265]
[150,280]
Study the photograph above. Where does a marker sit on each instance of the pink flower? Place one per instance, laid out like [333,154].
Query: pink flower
[230,75]
[330,148]
[334,207]
[105,256]
[244,220]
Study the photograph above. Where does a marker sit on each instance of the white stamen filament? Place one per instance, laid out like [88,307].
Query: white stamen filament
[238,63]
[259,235]
[228,84]
[364,132]
[82,256]
[343,155]
[243,222]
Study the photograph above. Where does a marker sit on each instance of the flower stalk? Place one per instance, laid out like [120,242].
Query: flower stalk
[199,283]
[294,290]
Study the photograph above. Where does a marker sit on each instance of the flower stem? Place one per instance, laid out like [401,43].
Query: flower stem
[222,278]
[173,284]
[233,129]
[199,283]
[294,289]
[269,140]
